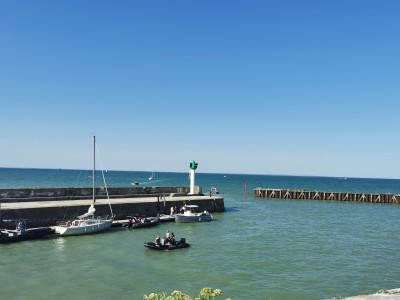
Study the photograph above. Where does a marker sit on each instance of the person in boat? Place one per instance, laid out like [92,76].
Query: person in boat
[172,211]
[172,239]
[158,240]
[167,235]
[21,227]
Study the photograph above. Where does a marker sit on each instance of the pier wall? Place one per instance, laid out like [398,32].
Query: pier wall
[51,194]
[334,196]
[47,206]
[49,216]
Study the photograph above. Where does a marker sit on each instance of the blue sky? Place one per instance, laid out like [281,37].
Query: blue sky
[261,87]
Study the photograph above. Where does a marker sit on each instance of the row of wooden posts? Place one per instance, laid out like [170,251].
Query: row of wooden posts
[335,196]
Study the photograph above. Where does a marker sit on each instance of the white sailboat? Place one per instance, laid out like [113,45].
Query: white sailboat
[86,223]
[153,176]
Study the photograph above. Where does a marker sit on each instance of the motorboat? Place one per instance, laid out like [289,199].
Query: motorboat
[169,246]
[137,222]
[119,223]
[214,191]
[86,223]
[21,233]
[190,214]
[166,218]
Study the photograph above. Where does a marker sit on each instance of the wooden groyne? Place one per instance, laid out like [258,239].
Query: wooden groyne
[333,196]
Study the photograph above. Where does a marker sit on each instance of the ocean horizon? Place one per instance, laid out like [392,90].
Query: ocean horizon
[197,172]
[48,178]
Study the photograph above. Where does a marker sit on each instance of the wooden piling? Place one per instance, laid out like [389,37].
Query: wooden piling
[324,195]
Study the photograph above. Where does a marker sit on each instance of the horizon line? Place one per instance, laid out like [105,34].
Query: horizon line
[225,173]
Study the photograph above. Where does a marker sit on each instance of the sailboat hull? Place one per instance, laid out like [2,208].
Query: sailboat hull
[81,227]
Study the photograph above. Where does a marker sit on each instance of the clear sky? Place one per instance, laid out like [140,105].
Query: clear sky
[260,87]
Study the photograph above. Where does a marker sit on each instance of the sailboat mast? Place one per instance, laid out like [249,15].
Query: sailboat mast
[94,168]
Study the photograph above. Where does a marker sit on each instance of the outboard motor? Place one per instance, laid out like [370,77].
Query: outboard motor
[183,240]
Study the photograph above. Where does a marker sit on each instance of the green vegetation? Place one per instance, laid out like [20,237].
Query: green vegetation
[205,294]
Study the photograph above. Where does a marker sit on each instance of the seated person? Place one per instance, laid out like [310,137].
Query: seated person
[172,239]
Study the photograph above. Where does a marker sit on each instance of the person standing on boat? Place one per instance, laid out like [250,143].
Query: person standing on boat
[167,235]
[172,211]
[158,240]
[21,227]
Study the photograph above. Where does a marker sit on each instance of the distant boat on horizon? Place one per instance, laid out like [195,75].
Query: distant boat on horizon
[153,176]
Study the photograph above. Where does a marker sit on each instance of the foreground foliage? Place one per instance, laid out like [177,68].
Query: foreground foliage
[205,294]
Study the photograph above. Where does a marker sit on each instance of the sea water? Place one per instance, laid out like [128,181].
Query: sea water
[257,249]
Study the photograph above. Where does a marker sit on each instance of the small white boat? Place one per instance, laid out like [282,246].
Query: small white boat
[86,223]
[153,176]
[214,191]
[166,218]
[190,215]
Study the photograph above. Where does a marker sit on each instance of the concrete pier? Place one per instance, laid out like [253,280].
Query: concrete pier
[53,194]
[49,206]
[334,196]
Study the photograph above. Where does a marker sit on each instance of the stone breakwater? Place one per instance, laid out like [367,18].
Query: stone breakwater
[333,196]
[46,207]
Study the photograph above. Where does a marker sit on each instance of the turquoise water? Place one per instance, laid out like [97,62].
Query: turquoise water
[257,249]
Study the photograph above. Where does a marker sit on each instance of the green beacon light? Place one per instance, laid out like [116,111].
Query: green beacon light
[193,165]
